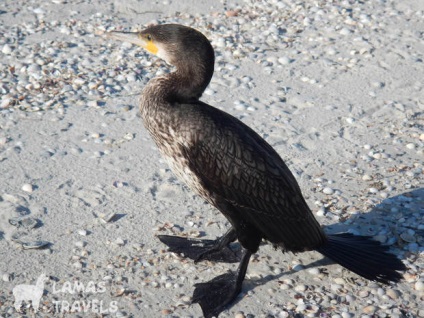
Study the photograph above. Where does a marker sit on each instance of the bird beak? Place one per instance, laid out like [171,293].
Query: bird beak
[131,37]
[134,38]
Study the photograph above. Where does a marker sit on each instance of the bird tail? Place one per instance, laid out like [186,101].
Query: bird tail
[363,256]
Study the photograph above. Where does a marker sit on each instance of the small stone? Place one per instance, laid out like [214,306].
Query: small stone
[82,232]
[369,309]
[363,293]
[80,244]
[93,103]
[119,241]
[6,49]
[345,31]
[300,288]
[6,277]
[313,271]
[327,190]
[239,315]
[298,267]
[5,103]
[350,298]
[410,146]
[27,188]
[284,60]
[373,190]
[232,13]
[77,265]
[393,293]
[366,177]
[419,285]
[321,211]
[38,11]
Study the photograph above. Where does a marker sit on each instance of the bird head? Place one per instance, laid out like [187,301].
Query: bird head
[174,43]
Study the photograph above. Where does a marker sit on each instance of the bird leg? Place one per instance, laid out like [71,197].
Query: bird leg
[199,250]
[215,295]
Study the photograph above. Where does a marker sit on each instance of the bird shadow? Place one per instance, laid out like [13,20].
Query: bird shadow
[393,216]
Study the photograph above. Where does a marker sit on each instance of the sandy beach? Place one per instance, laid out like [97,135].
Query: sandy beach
[337,88]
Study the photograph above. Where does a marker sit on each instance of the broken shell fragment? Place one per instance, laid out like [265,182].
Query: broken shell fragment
[26,222]
[34,244]
[108,217]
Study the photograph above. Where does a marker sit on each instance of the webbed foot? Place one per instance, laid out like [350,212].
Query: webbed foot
[198,250]
[212,250]
[214,296]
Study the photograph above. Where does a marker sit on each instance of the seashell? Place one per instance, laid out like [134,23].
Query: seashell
[26,222]
[34,244]
[194,234]
[108,217]
[129,136]
[119,292]
[408,237]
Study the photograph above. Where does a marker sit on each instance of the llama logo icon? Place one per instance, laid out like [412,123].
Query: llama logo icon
[28,293]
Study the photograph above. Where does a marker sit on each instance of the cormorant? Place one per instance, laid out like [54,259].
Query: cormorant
[235,170]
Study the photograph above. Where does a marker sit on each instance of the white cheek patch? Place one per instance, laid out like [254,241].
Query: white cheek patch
[163,54]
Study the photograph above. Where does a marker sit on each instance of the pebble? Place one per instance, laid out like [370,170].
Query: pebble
[419,285]
[367,177]
[27,188]
[393,293]
[363,293]
[5,102]
[284,60]
[6,49]
[350,120]
[300,288]
[328,191]
[369,309]
[6,277]
[80,244]
[314,271]
[345,31]
[410,146]
[119,241]
[373,190]
[82,232]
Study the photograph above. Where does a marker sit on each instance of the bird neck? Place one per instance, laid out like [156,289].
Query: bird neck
[188,82]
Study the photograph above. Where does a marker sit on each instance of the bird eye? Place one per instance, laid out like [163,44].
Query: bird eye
[149,37]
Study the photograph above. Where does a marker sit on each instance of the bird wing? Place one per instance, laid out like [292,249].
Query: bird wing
[236,165]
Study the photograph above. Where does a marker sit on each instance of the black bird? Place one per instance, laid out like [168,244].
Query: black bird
[235,170]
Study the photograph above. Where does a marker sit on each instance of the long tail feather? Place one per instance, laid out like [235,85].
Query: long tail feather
[363,256]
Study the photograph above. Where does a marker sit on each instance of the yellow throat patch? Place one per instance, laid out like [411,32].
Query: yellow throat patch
[151,47]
